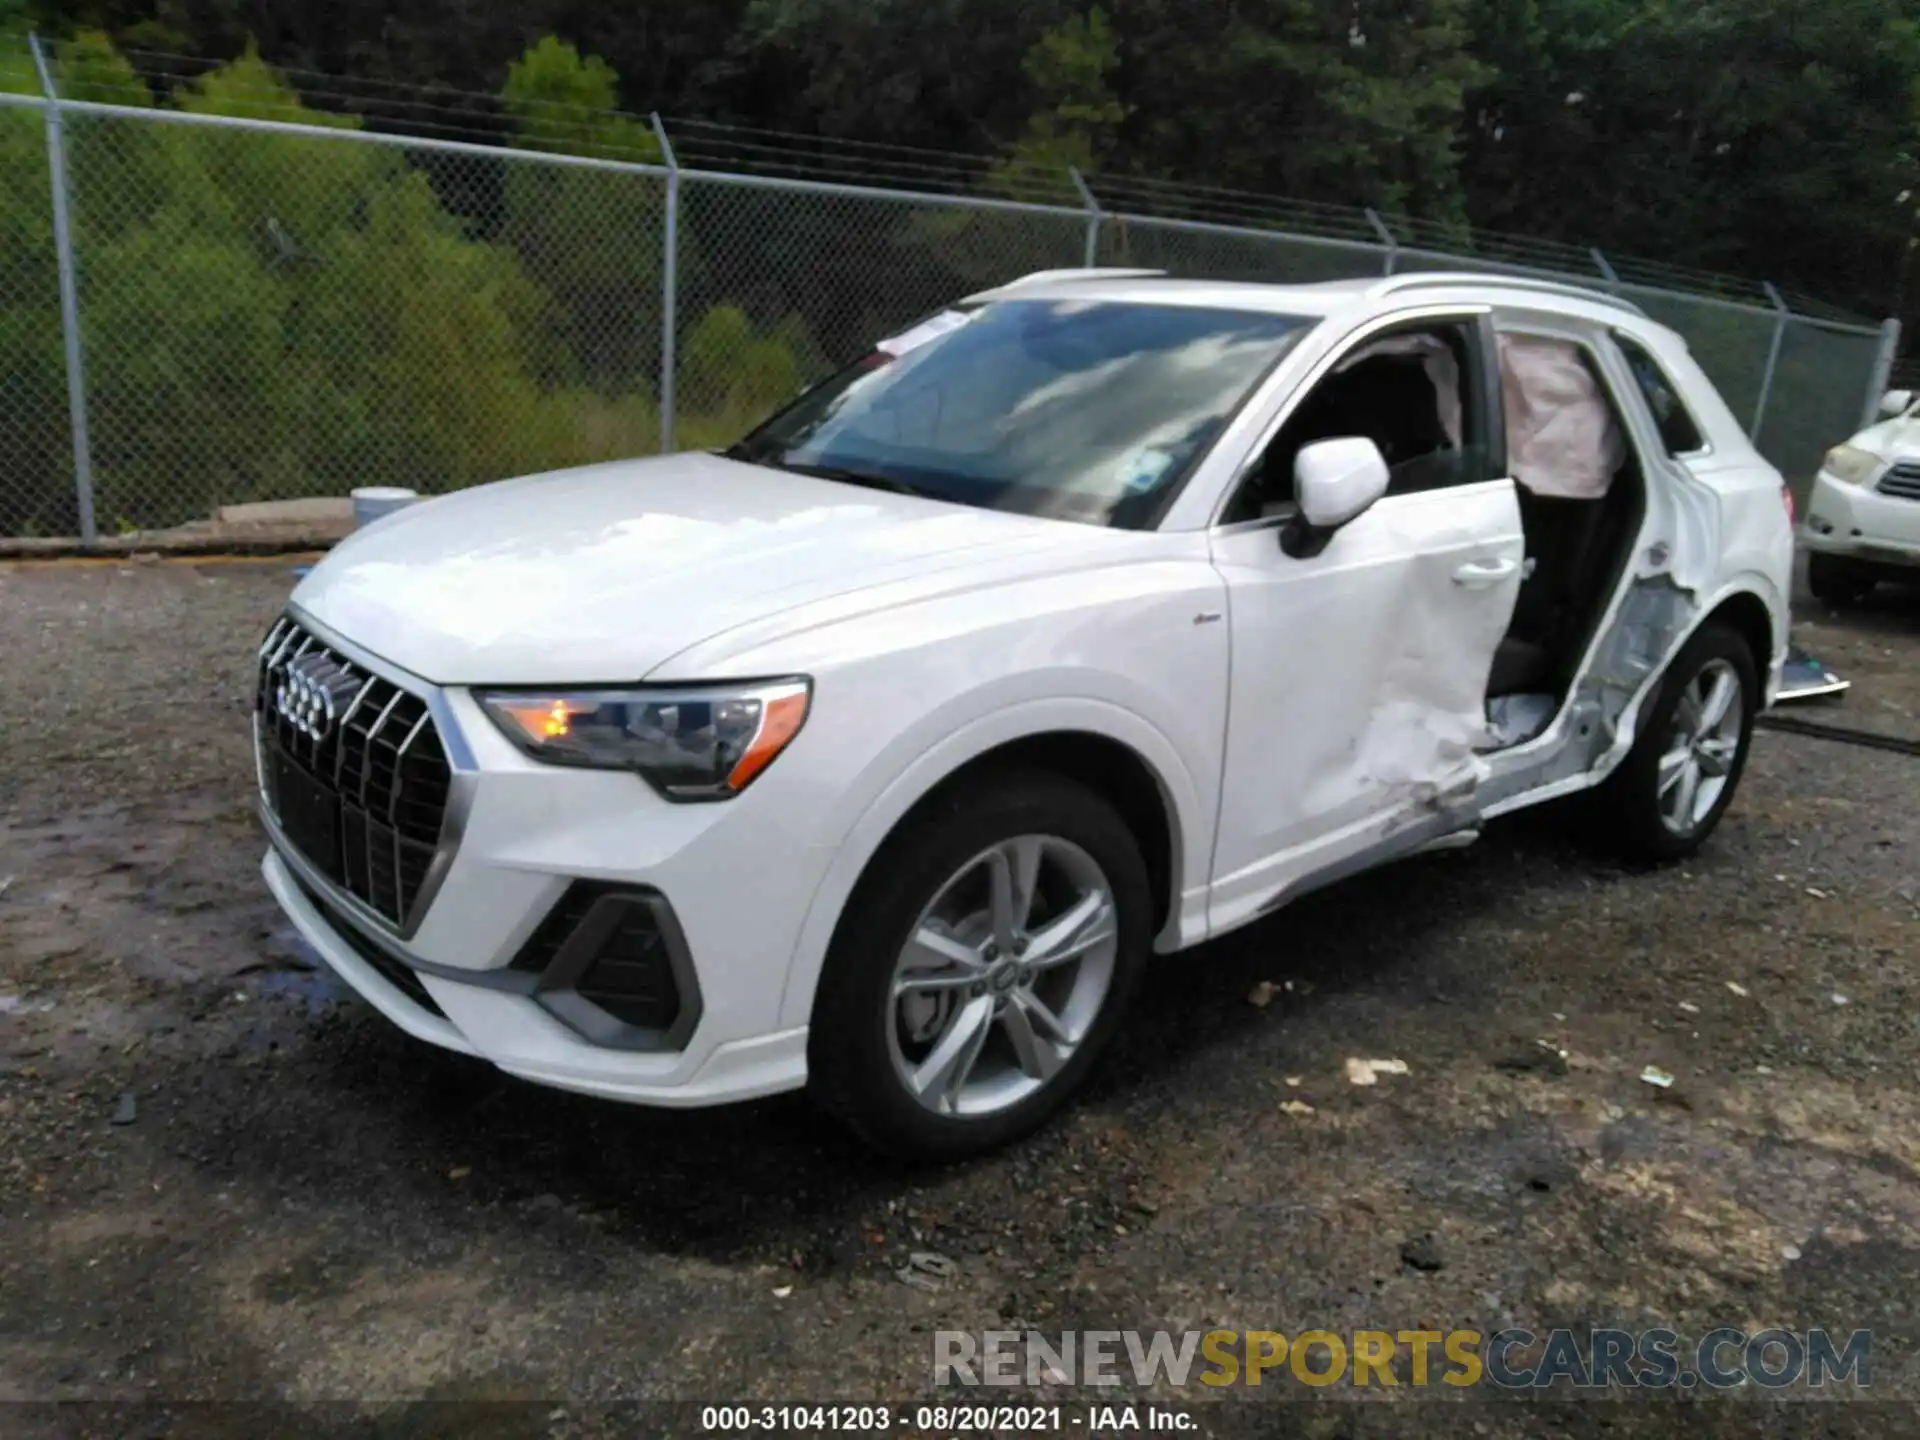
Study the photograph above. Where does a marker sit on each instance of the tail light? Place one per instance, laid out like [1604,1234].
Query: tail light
[1786,498]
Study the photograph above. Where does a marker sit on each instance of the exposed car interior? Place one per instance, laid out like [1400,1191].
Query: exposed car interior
[1577,481]
[1580,492]
[1402,393]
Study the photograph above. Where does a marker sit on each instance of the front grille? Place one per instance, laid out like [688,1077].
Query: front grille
[363,797]
[1902,481]
[396,974]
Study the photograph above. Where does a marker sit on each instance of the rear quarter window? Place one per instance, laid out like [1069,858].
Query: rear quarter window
[1678,432]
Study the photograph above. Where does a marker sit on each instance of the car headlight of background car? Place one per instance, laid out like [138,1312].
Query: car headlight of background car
[695,742]
[1851,465]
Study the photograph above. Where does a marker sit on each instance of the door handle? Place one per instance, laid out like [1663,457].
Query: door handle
[1479,574]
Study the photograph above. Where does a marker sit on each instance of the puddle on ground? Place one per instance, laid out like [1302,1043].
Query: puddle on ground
[302,977]
[315,990]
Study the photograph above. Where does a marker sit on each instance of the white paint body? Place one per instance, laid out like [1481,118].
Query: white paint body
[1296,714]
[1871,520]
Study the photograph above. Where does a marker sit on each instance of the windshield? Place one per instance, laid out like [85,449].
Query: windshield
[1087,411]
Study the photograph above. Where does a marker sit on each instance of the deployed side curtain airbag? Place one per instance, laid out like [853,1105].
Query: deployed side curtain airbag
[1561,437]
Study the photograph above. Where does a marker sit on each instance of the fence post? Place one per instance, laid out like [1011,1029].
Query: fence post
[1782,313]
[1605,267]
[69,299]
[1882,370]
[1387,238]
[1093,215]
[669,284]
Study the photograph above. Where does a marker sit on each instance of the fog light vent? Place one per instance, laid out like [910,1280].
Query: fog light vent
[613,965]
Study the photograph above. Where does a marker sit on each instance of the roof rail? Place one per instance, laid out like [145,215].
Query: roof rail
[1433,279]
[1097,272]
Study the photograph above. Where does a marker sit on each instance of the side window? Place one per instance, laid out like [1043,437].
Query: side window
[1677,430]
[1413,392]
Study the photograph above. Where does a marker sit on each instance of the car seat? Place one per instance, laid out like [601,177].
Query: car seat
[1572,544]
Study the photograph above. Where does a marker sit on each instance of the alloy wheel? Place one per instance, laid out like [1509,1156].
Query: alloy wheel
[1003,976]
[1701,746]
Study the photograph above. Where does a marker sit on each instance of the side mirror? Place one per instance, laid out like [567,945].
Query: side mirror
[1333,482]
[1896,402]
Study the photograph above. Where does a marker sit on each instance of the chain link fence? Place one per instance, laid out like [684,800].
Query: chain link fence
[36,456]
[1806,412]
[268,310]
[779,283]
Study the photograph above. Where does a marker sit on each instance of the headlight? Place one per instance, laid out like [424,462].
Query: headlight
[1850,465]
[696,742]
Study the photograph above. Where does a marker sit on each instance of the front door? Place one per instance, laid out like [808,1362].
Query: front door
[1359,675]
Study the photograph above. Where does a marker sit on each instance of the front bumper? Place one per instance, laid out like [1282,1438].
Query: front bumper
[733,884]
[515,1034]
[1860,523]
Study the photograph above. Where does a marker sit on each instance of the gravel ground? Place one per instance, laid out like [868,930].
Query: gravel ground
[222,1179]
[1871,644]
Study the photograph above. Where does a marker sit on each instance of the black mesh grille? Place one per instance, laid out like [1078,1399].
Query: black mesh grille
[607,946]
[544,944]
[631,978]
[400,976]
[363,799]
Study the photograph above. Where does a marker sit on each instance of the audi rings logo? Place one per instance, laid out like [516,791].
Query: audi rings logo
[312,693]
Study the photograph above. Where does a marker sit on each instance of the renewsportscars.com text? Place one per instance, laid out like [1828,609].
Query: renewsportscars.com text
[1508,1359]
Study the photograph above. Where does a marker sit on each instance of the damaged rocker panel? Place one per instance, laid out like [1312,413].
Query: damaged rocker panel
[1431,832]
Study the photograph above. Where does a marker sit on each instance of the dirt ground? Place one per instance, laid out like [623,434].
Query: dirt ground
[223,1179]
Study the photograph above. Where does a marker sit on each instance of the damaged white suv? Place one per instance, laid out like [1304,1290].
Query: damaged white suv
[1093,617]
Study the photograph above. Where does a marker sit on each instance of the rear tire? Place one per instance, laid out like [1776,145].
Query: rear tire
[1669,793]
[955,1015]
[1835,580]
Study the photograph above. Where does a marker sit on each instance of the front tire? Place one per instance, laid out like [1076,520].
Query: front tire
[1677,781]
[981,965]
[1835,580]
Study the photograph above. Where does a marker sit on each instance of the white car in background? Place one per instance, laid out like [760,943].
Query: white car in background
[1863,517]
[1094,617]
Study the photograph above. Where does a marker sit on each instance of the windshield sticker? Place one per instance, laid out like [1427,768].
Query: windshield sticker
[1141,470]
[944,323]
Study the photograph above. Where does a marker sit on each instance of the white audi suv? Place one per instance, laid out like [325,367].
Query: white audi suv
[1085,620]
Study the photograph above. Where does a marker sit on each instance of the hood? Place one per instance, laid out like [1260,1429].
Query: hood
[1895,439]
[601,574]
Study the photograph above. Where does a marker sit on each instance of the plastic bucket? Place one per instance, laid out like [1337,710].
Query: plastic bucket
[373,501]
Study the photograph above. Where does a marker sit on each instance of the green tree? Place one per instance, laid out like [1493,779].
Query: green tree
[1767,137]
[266,314]
[1354,103]
[1072,72]
[569,103]
[734,374]
[941,74]
[1073,68]
[38,497]
[36,481]
[593,239]
[1771,137]
[248,334]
